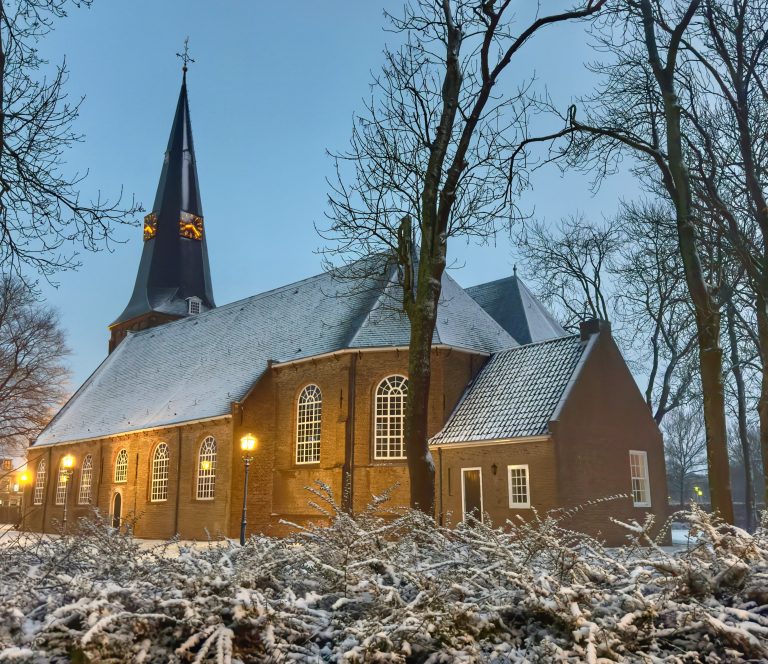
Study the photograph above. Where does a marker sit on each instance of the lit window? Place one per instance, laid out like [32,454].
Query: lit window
[193,305]
[308,425]
[641,486]
[121,467]
[61,486]
[390,418]
[206,470]
[160,462]
[37,498]
[519,488]
[86,475]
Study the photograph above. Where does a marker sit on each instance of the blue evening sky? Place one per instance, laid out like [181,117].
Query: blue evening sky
[274,85]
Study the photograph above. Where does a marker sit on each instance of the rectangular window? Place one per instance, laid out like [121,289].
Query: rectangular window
[519,487]
[472,493]
[641,486]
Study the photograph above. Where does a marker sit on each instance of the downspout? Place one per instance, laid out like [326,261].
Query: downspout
[440,485]
[48,483]
[178,484]
[135,488]
[348,470]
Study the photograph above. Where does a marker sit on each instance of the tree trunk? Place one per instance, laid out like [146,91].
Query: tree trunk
[741,403]
[762,404]
[422,313]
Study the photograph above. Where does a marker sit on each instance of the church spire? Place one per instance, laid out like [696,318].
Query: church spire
[174,276]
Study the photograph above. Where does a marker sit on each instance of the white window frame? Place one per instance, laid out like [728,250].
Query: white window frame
[39,494]
[206,479]
[86,480]
[641,454]
[61,486]
[309,421]
[463,501]
[389,442]
[121,469]
[527,503]
[159,473]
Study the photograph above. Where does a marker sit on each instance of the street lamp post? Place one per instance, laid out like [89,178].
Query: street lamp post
[247,445]
[67,463]
[23,481]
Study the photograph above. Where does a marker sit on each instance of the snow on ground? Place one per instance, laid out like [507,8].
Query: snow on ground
[403,590]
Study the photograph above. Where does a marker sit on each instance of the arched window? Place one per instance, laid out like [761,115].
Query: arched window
[61,485]
[390,417]
[160,462]
[308,419]
[206,469]
[86,475]
[121,466]
[39,494]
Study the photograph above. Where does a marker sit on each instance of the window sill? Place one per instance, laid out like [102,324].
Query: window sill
[641,505]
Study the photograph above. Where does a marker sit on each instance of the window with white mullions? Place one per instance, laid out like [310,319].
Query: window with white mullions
[519,488]
[160,463]
[308,425]
[39,494]
[61,486]
[206,470]
[86,476]
[390,418]
[121,466]
[641,486]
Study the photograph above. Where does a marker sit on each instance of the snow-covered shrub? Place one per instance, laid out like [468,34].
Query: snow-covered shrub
[388,587]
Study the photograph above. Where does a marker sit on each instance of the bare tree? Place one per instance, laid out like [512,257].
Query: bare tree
[33,376]
[43,216]
[685,448]
[430,161]
[626,271]
[639,110]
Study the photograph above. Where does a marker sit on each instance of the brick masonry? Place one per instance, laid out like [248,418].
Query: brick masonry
[585,458]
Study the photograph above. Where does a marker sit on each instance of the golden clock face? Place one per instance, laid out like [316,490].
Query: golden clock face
[150,226]
[191,226]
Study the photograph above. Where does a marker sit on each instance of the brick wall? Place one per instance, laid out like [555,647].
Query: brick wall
[605,417]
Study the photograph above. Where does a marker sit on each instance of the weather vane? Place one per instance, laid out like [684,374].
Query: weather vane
[185,58]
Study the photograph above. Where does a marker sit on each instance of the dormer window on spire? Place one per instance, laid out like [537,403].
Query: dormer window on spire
[194,305]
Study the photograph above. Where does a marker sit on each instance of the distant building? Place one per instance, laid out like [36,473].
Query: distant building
[522,414]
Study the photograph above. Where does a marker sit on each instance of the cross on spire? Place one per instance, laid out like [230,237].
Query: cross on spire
[185,57]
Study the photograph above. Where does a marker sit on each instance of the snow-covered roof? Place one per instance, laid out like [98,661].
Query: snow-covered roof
[517,310]
[194,368]
[516,393]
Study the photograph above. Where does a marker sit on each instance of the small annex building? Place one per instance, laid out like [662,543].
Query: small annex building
[522,414]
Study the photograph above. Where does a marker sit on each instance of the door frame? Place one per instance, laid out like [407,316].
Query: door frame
[112,510]
[463,500]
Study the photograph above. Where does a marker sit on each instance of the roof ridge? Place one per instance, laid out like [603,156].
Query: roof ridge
[538,343]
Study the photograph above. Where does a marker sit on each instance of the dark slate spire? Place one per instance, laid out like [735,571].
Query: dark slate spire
[174,262]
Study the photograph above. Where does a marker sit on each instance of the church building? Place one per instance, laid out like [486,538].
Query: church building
[522,414]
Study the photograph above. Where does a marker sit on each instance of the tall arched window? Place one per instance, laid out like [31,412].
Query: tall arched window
[121,466]
[308,421]
[86,475]
[61,485]
[160,462]
[39,494]
[390,417]
[206,470]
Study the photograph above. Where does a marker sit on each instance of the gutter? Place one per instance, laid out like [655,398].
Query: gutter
[496,441]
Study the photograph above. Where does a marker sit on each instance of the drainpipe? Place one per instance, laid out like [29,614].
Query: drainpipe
[348,470]
[48,483]
[178,484]
[440,485]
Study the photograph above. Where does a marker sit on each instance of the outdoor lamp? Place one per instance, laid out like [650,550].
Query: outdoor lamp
[247,444]
[68,464]
[24,478]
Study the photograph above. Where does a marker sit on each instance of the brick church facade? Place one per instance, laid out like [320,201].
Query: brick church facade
[522,414]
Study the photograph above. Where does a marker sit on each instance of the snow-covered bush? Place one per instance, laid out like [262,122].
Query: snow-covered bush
[395,589]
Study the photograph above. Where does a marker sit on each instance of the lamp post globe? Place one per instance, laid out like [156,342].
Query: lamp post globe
[247,446]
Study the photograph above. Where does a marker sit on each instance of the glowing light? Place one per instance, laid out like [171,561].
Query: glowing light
[24,478]
[68,462]
[248,443]
[205,464]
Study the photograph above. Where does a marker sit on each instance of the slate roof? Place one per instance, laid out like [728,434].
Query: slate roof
[516,309]
[195,367]
[516,393]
